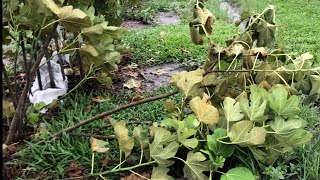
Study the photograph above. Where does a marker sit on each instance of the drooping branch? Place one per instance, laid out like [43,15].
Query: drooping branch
[101,115]
[107,113]
[93,135]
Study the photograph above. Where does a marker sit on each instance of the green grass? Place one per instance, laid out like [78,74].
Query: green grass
[54,156]
[172,43]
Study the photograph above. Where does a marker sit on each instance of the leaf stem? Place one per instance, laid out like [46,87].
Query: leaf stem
[92,162]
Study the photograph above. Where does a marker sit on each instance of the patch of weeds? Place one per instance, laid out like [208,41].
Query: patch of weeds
[172,43]
[53,157]
[167,5]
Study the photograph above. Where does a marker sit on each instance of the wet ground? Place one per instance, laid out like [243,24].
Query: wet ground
[166,18]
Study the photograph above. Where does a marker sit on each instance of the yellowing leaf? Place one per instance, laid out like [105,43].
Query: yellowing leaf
[187,81]
[8,108]
[232,109]
[315,81]
[160,173]
[204,111]
[90,50]
[52,6]
[73,19]
[132,84]
[126,142]
[98,145]
[243,133]
[194,166]
[280,103]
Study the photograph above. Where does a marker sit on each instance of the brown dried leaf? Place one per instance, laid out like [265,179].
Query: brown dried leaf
[74,170]
[99,99]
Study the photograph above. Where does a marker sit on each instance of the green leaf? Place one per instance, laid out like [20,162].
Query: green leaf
[266,34]
[258,103]
[218,148]
[205,112]
[194,166]
[98,145]
[191,122]
[160,173]
[141,136]
[183,132]
[315,81]
[33,117]
[163,147]
[126,142]
[281,105]
[285,128]
[187,81]
[232,109]
[73,19]
[243,133]
[237,174]
[39,106]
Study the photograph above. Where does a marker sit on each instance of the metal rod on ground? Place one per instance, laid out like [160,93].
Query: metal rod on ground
[59,56]
[38,73]
[53,85]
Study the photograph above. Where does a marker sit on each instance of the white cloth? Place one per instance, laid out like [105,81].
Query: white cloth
[48,94]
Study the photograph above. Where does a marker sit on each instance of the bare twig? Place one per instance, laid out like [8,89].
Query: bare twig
[79,59]
[101,115]
[11,93]
[93,135]
[59,56]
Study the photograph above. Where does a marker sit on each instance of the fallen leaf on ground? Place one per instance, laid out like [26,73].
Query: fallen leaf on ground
[159,72]
[98,145]
[99,99]
[133,66]
[74,170]
[87,108]
[136,177]
[137,97]
[132,84]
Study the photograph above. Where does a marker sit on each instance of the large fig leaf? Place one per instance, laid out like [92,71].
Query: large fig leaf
[194,166]
[160,173]
[73,19]
[232,109]
[281,105]
[243,133]
[258,103]
[126,142]
[218,148]
[286,127]
[187,81]
[163,147]
[237,174]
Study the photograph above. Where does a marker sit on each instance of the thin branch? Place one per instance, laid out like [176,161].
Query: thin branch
[11,93]
[93,135]
[101,115]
